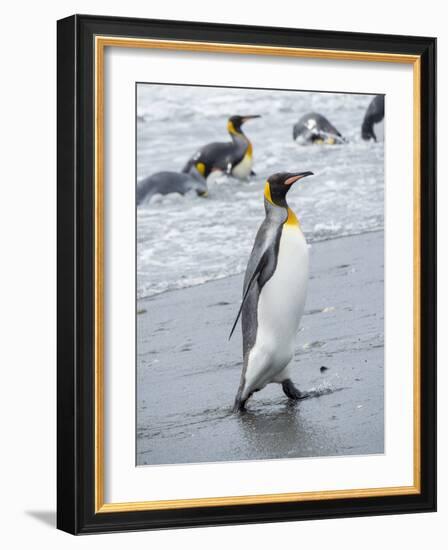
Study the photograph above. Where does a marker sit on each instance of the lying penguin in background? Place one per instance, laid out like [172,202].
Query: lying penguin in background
[314,128]
[374,115]
[163,183]
[274,293]
[234,157]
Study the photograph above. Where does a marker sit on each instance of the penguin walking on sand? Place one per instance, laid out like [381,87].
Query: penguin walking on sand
[234,157]
[274,293]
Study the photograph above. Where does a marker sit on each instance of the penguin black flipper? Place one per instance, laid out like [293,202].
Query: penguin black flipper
[261,265]
[255,274]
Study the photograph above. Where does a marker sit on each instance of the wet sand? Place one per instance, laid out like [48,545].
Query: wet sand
[188,372]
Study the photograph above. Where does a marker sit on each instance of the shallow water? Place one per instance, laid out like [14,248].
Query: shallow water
[184,241]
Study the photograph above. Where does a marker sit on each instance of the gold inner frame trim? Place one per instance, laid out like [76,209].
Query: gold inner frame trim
[101,42]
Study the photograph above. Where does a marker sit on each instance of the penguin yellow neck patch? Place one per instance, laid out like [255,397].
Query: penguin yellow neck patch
[231,128]
[267,193]
[200,167]
[233,131]
[292,219]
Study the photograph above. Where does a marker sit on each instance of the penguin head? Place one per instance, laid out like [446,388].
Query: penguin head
[278,185]
[235,122]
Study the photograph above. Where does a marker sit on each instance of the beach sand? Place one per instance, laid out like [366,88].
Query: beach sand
[188,371]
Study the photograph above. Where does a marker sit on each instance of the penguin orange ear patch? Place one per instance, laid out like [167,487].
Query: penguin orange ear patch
[231,128]
[200,167]
[267,192]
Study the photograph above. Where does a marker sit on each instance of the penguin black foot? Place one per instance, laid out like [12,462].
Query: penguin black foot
[240,403]
[291,391]
[239,406]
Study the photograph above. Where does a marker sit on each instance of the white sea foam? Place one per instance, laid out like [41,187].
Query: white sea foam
[185,241]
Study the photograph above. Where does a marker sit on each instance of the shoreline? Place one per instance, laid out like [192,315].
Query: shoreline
[240,273]
[188,372]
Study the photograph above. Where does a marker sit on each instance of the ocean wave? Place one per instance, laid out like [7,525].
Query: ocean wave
[186,241]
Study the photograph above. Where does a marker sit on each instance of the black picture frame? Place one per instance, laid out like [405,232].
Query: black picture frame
[76,512]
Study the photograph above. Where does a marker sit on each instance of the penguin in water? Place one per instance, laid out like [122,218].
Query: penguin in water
[163,183]
[374,115]
[314,128]
[274,292]
[234,158]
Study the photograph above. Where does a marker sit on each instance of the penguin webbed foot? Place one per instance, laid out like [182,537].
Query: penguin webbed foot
[240,403]
[239,406]
[291,391]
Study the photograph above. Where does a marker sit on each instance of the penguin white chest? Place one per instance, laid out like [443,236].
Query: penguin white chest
[282,299]
[280,308]
[243,169]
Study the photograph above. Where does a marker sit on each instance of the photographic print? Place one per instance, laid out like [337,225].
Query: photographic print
[246,262]
[260,274]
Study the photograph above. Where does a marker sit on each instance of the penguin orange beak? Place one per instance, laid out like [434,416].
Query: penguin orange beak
[295,177]
[249,117]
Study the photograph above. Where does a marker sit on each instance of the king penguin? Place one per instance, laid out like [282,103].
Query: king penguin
[274,293]
[164,183]
[374,115]
[314,128]
[233,157]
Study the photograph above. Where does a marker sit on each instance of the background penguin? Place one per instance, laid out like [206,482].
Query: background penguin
[234,157]
[164,183]
[374,114]
[315,128]
[274,294]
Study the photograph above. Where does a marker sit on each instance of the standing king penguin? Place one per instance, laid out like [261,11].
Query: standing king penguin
[233,157]
[274,293]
